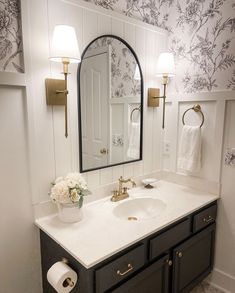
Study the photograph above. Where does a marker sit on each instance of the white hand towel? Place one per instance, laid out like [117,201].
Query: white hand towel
[133,151]
[190,149]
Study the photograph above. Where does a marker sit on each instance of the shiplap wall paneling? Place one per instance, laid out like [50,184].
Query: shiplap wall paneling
[40,68]
[19,252]
[148,118]
[59,155]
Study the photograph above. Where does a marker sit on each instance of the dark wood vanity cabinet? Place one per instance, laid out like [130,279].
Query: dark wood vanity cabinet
[193,260]
[173,260]
[153,279]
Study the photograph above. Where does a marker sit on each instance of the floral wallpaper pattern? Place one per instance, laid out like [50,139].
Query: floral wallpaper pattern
[123,66]
[11,58]
[201,38]
[230,157]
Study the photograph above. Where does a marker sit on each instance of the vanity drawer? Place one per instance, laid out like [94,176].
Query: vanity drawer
[204,218]
[169,238]
[119,269]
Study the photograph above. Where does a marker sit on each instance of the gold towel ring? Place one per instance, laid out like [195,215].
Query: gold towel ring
[135,109]
[196,108]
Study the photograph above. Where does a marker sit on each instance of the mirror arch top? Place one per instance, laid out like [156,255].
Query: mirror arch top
[110,104]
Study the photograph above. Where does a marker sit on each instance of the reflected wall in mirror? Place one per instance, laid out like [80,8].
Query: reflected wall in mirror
[110,104]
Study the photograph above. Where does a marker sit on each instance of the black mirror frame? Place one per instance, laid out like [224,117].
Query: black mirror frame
[79,107]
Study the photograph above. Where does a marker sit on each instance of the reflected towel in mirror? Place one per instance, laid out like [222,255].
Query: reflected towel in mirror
[190,149]
[133,151]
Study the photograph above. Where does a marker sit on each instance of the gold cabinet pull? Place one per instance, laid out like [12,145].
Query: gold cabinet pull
[179,253]
[103,151]
[169,262]
[208,220]
[130,268]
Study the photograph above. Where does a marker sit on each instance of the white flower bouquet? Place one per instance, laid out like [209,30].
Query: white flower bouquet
[70,189]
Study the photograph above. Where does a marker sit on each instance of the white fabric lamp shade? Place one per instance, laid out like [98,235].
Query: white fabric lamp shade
[64,44]
[166,65]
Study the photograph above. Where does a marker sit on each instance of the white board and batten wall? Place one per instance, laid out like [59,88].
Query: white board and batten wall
[57,155]
[33,148]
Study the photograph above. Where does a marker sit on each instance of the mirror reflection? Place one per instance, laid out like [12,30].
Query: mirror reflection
[110,104]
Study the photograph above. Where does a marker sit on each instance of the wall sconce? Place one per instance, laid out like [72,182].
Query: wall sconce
[165,69]
[64,49]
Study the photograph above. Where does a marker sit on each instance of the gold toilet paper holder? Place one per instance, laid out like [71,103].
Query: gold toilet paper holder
[67,282]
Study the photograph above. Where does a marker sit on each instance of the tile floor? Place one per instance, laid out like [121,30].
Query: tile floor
[205,288]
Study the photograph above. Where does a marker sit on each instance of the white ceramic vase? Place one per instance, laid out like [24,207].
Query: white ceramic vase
[69,212]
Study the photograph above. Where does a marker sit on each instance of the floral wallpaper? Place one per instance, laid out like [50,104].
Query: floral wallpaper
[11,58]
[230,157]
[123,68]
[201,38]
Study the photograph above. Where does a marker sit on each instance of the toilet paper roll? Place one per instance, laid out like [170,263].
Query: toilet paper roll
[61,277]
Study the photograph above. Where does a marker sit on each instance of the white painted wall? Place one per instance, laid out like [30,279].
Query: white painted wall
[55,154]
[27,172]
[19,245]
[224,273]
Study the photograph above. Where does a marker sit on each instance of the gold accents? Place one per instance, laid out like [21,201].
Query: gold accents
[104,151]
[179,254]
[196,108]
[122,193]
[169,262]
[208,220]
[129,268]
[153,94]
[68,282]
[132,219]
[57,92]
[116,196]
[148,186]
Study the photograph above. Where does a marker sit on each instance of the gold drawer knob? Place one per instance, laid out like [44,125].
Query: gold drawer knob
[104,151]
[179,254]
[129,268]
[169,262]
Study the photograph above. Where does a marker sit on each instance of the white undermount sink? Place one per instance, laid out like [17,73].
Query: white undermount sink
[139,209]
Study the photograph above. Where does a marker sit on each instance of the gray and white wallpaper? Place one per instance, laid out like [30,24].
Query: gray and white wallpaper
[201,38]
[123,66]
[11,58]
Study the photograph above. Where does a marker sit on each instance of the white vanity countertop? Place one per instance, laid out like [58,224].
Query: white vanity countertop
[101,234]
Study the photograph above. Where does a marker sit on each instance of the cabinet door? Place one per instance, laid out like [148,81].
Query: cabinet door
[193,260]
[153,279]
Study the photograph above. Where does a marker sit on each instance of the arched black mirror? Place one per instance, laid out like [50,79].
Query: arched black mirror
[110,104]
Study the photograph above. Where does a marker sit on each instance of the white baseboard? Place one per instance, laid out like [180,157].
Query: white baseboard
[222,281]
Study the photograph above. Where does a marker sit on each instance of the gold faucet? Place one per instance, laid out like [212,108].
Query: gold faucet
[122,193]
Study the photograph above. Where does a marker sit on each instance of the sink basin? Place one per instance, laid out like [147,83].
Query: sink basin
[139,209]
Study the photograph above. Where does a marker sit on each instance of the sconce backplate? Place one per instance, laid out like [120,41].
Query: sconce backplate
[54,92]
[153,93]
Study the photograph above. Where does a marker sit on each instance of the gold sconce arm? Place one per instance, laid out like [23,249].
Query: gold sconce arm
[154,96]
[57,92]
